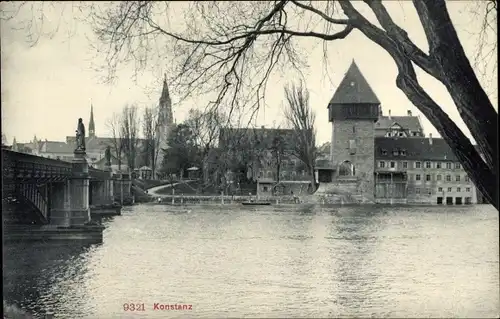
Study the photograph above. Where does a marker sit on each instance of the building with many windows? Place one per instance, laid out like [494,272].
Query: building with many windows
[387,159]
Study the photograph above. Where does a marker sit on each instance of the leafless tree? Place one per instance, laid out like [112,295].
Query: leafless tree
[301,118]
[130,132]
[205,127]
[233,50]
[114,126]
[152,141]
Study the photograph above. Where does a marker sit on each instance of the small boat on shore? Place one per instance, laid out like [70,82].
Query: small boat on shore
[256,203]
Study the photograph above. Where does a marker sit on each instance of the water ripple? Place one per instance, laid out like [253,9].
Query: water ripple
[271,262]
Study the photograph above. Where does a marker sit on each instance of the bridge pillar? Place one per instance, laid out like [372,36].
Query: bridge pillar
[73,209]
[109,184]
[122,185]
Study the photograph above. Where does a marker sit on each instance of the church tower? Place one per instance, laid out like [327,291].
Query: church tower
[353,111]
[165,123]
[91,122]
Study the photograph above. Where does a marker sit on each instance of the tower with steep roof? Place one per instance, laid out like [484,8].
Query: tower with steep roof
[353,111]
[91,122]
[165,123]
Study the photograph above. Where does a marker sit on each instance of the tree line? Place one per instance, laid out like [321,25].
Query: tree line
[195,142]
[233,50]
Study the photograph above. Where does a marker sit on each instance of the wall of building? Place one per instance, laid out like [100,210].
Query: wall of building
[428,180]
[354,141]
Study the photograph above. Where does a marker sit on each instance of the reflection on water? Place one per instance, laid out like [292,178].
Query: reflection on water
[269,262]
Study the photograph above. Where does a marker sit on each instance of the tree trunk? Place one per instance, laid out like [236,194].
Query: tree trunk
[457,75]
[483,175]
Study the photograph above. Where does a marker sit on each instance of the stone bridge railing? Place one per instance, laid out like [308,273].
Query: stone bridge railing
[97,174]
[24,167]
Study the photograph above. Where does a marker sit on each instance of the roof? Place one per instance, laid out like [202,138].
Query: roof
[261,138]
[97,143]
[411,123]
[416,148]
[354,89]
[57,147]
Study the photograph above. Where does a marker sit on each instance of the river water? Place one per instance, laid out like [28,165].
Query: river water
[269,262]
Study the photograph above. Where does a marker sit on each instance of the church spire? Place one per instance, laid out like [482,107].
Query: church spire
[91,122]
[165,95]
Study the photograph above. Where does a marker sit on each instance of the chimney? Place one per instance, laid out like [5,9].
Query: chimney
[409,112]
[389,114]
[430,138]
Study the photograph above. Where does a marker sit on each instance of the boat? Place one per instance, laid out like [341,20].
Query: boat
[256,203]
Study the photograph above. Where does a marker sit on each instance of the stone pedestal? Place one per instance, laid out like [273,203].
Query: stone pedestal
[75,210]
[109,188]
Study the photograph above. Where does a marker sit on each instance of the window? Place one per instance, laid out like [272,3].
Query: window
[417,190]
[381,164]
[448,165]
[448,178]
[467,179]
[265,188]
[384,152]
[417,177]
[401,134]
[457,178]
[402,152]
[459,189]
[438,165]
[449,189]
[467,189]
[440,189]
[457,166]
[395,152]
[428,177]
[418,165]
[393,164]
[429,191]
[352,147]
[438,177]
[405,164]
[354,129]
[428,165]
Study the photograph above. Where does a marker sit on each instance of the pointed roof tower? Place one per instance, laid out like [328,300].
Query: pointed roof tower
[166,116]
[354,89]
[91,121]
[354,98]
[165,95]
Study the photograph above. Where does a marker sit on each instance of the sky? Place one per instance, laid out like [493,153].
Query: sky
[47,87]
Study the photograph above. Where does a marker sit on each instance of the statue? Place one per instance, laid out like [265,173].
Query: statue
[107,156]
[80,136]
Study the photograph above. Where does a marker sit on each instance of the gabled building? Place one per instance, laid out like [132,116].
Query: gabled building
[268,154]
[399,126]
[387,159]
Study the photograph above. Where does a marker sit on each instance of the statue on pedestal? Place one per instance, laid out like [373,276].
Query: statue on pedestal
[107,156]
[80,136]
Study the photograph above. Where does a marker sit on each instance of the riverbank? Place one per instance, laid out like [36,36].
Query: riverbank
[52,233]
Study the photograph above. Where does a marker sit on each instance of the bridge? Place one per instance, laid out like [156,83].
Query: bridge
[50,192]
